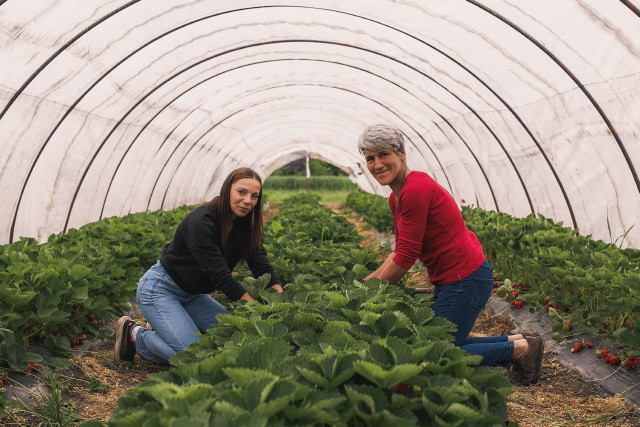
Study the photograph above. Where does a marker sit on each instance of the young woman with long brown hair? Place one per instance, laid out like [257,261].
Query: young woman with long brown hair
[173,295]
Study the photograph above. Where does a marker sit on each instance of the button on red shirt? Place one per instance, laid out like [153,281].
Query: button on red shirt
[430,227]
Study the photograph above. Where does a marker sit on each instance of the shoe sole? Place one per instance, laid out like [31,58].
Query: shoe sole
[119,343]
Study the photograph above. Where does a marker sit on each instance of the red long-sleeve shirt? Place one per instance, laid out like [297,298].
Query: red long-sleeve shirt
[429,226]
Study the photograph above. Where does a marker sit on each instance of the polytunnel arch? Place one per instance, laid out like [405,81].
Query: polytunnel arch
[285,41]
[139,102]
[241,111]
[552,154]
[228,70]
[573,77]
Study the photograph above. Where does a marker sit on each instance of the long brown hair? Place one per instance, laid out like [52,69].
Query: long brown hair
[247,230]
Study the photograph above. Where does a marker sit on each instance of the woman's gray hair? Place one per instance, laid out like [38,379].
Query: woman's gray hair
[381,136]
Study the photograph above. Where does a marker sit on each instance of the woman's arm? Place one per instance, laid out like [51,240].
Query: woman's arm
[389,270]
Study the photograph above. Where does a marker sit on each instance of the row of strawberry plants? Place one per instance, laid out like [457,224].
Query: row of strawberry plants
[329,350]
[578,280]
[319,182]
[374,209]
[55,293]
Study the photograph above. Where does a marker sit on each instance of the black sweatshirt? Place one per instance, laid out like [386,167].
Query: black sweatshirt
[195,261]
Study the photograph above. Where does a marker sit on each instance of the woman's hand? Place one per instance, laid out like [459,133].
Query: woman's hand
[389,270]
[247,297]
[277,288]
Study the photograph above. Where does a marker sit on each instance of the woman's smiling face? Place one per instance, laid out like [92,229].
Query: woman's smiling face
[244,196]
[385,165]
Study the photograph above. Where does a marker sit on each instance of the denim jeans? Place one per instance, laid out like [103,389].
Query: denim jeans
[174,314]
[461,302]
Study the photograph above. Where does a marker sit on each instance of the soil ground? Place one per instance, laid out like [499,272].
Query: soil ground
[561,397]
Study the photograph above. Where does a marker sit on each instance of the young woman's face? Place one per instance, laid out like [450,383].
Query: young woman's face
[244,195]
[385,165]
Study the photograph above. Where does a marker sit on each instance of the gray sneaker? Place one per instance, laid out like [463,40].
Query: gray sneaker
[527,369]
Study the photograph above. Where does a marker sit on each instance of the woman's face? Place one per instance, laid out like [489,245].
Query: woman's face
[385,165]
[244,196]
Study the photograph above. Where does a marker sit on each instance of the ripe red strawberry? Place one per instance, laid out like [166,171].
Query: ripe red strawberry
[604,352]
[494,290]
[589,344]
[402,388]
[546,300]
[629,364]
[516,303]
[463,201]
[495,278]
[636,362]
[31,366]
[576,347]
[515,294]
[615,360]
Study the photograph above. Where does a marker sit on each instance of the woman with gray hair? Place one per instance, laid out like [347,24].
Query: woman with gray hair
[430,227]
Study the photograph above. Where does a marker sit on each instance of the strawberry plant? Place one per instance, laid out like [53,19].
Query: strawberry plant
[52,294]
[374,209]
[588,283]
[329,350]
[255,286]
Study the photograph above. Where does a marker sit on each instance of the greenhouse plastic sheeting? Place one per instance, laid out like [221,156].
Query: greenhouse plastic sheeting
[114,107]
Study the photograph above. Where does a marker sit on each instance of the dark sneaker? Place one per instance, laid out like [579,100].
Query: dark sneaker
[527,369]
[124,348]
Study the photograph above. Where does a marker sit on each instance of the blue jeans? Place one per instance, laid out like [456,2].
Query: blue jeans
[174,314]
[461,302]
